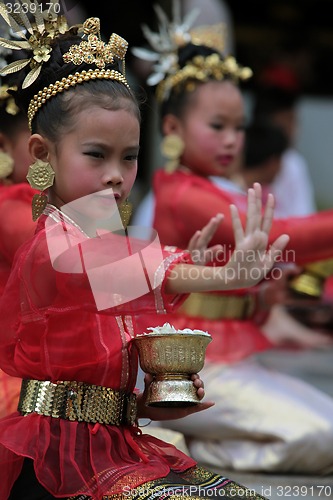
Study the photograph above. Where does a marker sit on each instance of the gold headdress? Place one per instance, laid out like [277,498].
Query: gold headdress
[174,34]
[6,100]
[38,37]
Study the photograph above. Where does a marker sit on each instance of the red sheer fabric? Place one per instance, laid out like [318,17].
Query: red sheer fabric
[9,393]
[16,226]
[184,203]
[53,331]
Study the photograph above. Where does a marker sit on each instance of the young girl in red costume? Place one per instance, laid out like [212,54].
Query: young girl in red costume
[261,420]
[16,224]
[68,308]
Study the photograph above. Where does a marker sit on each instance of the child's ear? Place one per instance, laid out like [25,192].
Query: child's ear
[39,147]
[171,125]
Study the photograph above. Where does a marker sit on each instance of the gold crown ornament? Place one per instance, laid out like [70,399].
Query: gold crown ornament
[174,34]
[38,37]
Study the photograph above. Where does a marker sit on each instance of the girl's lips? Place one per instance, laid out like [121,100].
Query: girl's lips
[225,159]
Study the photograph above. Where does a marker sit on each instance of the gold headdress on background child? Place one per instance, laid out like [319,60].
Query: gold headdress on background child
[174,34]
[37,39]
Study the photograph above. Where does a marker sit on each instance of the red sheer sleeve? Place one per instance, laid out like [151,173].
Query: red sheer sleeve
[49,295]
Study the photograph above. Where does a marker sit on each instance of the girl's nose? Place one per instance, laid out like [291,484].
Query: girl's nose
[230,136]
[112,176]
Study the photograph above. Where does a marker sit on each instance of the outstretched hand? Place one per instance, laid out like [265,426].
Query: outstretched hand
[171,413]
[251,260]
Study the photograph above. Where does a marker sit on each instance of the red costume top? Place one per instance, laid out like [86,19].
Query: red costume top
[52,330]
[16,226]
[184,203]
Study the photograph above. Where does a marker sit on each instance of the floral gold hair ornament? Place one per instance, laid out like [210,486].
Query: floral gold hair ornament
[202,69]
[175,34]
[36,36]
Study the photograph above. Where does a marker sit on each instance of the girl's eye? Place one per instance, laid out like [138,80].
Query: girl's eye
[94,154]
[131,157]
[217,126]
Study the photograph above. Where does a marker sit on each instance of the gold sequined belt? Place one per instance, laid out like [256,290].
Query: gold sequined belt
[210,306]
[77,401]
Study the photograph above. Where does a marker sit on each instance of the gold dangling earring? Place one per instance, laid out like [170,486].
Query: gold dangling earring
[6,165]
[172,147]
[40,176]
[125,211]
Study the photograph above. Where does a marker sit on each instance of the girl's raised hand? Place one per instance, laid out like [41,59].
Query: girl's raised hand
[251,260]
[249,263]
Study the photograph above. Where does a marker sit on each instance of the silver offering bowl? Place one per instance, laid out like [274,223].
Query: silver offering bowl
[172,358]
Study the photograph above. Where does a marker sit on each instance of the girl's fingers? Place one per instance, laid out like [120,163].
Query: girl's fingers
[209,230]
[237,225]
[279,244]
[276,249]
[215,252]
[258,194]
[202,238]
[268,214]
[251,212]
[194,241]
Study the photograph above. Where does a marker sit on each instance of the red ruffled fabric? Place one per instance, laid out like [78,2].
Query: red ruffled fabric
[52,330]
[72,458]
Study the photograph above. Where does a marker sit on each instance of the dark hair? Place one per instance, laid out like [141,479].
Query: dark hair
[263,140]
[11,124]
[269,100]
[56,115]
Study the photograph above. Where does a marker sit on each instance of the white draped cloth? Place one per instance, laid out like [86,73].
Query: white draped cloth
[262,420]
